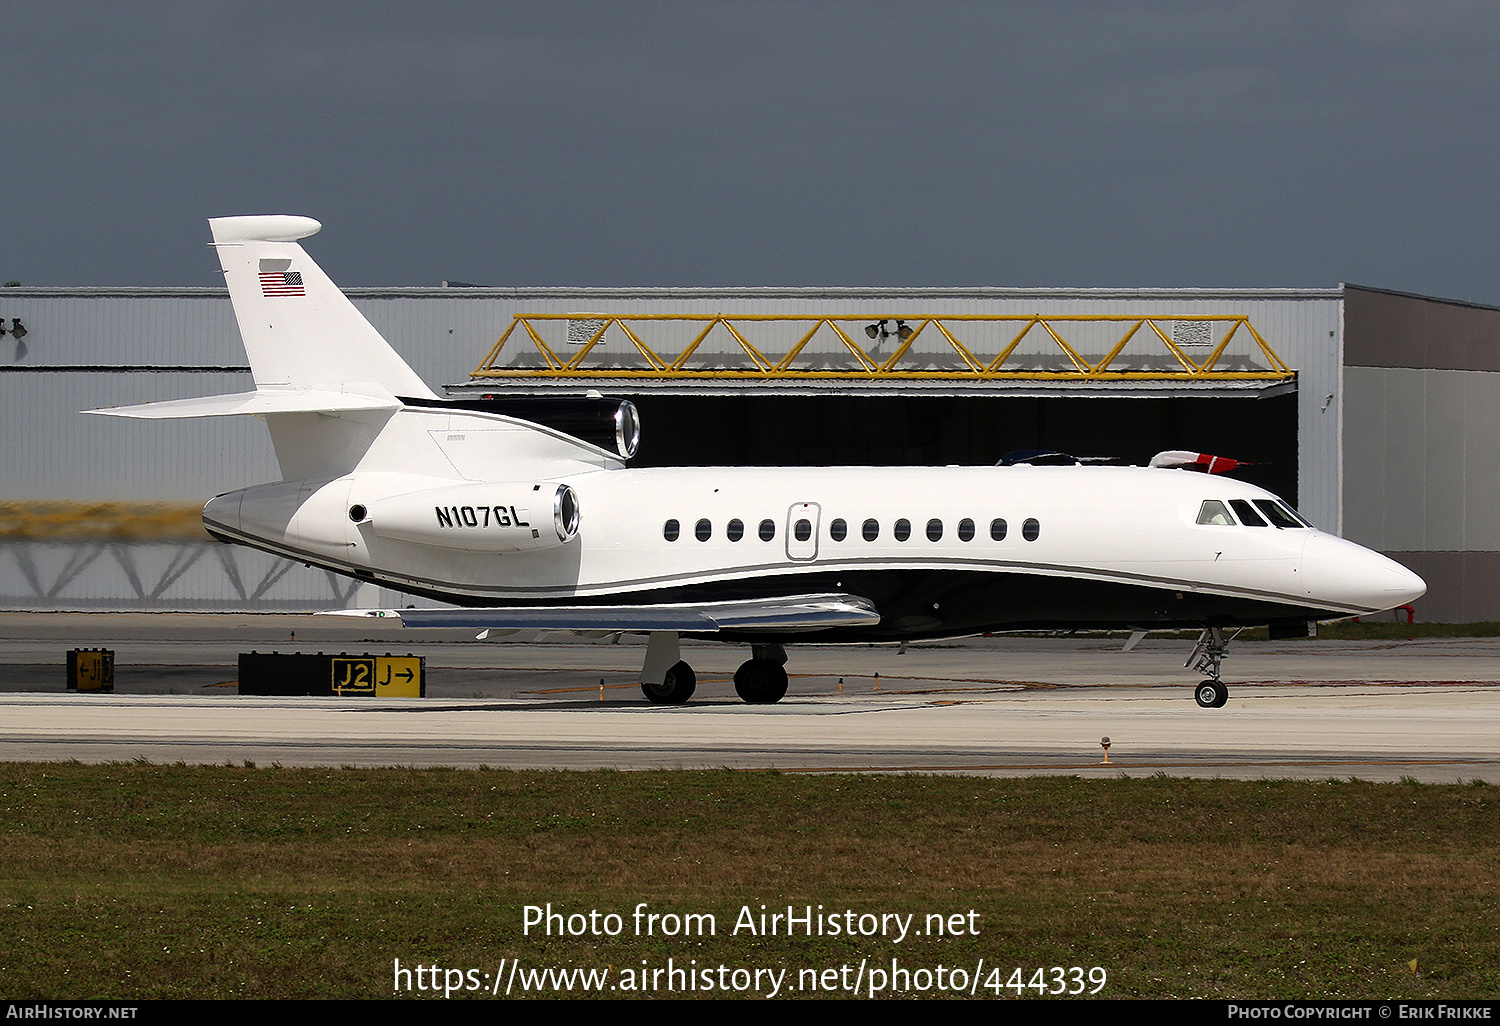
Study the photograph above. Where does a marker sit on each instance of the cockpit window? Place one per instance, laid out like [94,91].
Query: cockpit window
[1215,512]
[1286,510]
[1247,513]
[1277,514]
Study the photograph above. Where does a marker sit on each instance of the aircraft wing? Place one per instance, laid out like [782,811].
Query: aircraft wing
[790,613]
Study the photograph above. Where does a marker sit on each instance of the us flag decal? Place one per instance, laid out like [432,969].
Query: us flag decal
[281,283]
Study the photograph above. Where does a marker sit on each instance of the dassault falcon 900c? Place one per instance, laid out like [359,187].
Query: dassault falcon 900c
[523,513]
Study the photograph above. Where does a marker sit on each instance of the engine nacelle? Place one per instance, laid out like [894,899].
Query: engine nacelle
[611,424]
[483,517]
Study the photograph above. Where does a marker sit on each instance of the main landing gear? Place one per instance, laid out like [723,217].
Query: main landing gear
[761,680]
[676,686]
[667,680]
[1208,658]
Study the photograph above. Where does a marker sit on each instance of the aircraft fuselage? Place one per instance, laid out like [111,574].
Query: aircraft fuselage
[940,551]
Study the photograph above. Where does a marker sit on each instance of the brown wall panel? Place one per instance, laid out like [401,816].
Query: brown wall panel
[1393,329]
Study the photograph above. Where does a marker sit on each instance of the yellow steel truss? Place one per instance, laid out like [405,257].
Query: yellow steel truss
[654,361]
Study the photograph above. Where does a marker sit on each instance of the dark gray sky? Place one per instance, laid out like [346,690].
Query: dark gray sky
[1090,143]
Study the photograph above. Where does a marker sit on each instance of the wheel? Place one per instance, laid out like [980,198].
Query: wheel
[1211,694]
[676,687]
[1223,696]
[760,681]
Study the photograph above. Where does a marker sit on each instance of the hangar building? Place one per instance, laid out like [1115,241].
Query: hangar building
[1369,409]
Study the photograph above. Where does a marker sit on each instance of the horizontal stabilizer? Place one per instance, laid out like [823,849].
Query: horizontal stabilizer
[253,403]
[791,612]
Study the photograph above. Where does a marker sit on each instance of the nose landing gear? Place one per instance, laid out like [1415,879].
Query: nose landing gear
[1211,694]
[1208,658]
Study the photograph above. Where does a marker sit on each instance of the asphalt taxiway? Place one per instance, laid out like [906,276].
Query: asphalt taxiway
[1427,709]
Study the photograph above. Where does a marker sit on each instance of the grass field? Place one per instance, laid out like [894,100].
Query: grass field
[140,881]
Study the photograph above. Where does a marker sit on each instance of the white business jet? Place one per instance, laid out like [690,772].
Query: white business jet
[524,515]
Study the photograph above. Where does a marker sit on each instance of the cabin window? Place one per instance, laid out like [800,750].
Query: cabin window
[1030,529]
[934,530]
[838,530]
[902,530]
[966,530]
[704,530]
[997,530]
[670,530]
[802,530]
[1216,513]
[767,530]
[872,530]
[1247,513]
[735,529]
[1278,516]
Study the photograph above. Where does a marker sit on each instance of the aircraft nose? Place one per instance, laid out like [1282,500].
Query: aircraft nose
[1343,574]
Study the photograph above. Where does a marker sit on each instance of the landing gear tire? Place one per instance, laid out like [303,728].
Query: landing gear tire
[1211,694]
[760,681]
[676,687]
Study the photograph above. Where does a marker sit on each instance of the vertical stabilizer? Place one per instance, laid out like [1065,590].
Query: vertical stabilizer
[300,332]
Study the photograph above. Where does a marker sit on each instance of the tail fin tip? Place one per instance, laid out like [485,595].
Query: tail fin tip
[262,228]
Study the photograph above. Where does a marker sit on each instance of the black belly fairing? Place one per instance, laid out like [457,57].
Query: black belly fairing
[934,603]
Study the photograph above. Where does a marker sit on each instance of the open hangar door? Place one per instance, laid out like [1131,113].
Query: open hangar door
[864,430]
[1122,376]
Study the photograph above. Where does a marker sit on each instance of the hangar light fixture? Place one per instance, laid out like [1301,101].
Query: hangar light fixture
[16,328]
[879,330]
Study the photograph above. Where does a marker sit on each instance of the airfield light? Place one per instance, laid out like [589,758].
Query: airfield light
[17,328]
[1104,743]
